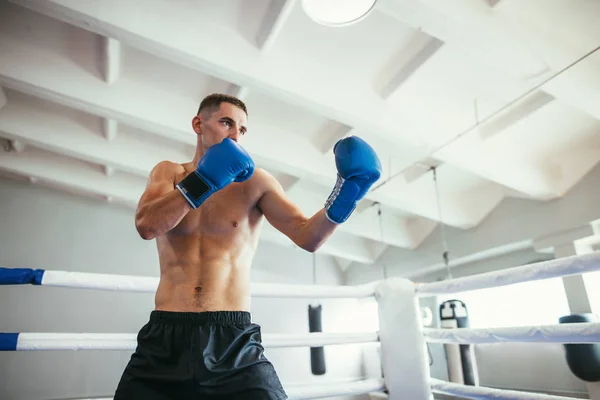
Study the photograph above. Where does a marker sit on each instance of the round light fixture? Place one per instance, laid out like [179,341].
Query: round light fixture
[337,12]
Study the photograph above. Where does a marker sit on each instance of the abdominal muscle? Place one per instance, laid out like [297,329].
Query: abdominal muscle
[204,273]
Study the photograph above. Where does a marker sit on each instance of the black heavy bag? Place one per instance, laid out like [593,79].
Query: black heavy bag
[583,359]
[461,361]
[317,354]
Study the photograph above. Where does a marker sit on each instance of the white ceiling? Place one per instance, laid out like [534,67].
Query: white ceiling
[503,96]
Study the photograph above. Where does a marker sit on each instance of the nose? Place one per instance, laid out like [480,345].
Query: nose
[235,136]
[234,133]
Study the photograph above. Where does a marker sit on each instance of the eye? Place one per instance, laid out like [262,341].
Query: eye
[227,123]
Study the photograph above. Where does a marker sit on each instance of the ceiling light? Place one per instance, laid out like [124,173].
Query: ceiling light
[337,12]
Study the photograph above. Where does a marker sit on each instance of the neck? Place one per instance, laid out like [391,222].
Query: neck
[200,151]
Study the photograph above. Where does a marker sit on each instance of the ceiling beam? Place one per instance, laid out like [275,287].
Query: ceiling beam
[515,113]
[111,59]
[3,99]
[515,172]
[419,48]
[473,27]
[329,134]
[15,145]
[418,170]
[74,174]
[277,13]
[569,171]
[579,87]
[110,128]
[30,124]
[108,170]
[287,182]
[492,3]
[241,92]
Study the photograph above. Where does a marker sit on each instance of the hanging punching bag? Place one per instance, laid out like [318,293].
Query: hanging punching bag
[461,361]
[317,354]
[583,359]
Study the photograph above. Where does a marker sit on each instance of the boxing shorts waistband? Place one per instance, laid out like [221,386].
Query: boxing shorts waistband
[201,318]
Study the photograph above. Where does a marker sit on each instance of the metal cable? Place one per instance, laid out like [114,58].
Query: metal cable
[381,237]
[314,257]
[442,225]
[487,118]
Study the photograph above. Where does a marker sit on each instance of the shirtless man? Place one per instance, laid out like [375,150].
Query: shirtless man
[206,216]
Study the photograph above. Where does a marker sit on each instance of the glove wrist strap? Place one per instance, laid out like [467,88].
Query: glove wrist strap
[338,212]
[194,189]
[335,192]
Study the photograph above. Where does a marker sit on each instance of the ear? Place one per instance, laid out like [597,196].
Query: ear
[197,122]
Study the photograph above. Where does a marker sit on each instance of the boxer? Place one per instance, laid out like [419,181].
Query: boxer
[206,216]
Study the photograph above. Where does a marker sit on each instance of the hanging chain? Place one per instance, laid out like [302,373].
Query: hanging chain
[314,259]
[314,262]
[381,237]
[442,226]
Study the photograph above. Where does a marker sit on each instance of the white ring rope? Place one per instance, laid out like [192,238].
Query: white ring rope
[318,339]
[131,283]
[484,393]
[564,333]
[566,266]
[335,390]
[76,341]
[319,391]
[127,341]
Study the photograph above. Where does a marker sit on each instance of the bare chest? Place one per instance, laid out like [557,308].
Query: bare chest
[232,209]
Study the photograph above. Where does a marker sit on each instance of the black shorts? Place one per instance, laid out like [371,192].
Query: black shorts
[207,355]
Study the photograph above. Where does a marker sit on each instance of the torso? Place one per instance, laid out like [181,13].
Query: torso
[205,260]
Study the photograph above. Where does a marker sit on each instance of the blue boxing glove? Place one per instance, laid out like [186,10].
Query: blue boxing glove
[358,169]
[221,165]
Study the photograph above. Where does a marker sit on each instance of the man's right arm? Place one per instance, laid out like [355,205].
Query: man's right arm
[161,206]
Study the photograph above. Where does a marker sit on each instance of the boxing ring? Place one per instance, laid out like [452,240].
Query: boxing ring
[401,335]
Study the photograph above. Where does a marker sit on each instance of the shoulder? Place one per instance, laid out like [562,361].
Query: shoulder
[166,170]
[264,180]
[263,183]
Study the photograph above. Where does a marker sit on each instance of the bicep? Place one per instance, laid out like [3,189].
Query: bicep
[280,212]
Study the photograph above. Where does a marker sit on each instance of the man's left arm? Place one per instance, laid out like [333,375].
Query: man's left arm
[307,233]
[358,168]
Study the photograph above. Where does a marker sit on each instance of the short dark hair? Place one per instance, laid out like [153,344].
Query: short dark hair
[212,102]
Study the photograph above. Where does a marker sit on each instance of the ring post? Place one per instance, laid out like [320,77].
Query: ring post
[403,348]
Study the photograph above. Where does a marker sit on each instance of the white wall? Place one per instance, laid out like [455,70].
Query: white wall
[47,229]
[527,366]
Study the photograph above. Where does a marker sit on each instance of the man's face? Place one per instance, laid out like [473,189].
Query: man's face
[228,121]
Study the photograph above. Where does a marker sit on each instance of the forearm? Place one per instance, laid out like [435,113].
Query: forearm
[161,215]
[313,232]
